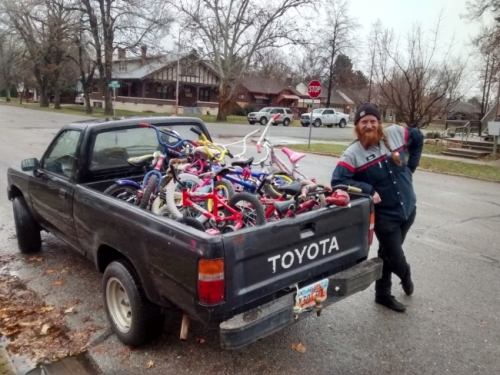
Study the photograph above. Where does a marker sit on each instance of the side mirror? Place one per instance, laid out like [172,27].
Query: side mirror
[30,165]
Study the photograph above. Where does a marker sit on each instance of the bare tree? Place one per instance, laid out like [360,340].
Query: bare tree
[10,56]
[336,37]
[122,24]
[271,63]
[417,83]
[231,32]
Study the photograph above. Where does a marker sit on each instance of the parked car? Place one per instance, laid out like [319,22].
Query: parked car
[245,284]
[263,116]
[324,116]
[80,99]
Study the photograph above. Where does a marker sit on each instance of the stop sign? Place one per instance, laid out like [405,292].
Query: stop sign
[314,88]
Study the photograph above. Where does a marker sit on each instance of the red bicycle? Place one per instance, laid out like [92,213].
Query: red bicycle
[240,211]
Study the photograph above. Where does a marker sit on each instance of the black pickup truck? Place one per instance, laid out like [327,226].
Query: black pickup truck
[246,284]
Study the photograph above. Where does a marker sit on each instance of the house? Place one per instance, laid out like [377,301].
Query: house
[148,84]
[259,92]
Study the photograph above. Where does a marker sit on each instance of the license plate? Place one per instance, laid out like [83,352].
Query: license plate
[308,295]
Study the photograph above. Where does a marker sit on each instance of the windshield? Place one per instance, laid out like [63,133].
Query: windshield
[266,109]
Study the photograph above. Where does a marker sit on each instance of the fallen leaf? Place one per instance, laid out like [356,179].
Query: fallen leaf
[48,272]
[46,308]
[35,259]
[69,311]
[298,347]
[430,308]
[59,283]
[126,351]
[150,364]
[99,349]
[201,341]
[44,330]
[29,324]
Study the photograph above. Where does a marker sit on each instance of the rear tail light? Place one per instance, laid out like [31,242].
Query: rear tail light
[211,283]
[372,228]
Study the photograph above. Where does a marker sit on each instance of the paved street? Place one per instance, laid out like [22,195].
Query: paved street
[451,325]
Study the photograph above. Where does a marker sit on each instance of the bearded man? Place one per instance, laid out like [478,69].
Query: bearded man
[376,164]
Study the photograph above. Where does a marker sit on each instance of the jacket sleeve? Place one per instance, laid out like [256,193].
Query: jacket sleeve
[343,174]
[415,143]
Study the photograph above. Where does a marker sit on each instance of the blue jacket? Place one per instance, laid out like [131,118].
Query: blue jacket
[373,171]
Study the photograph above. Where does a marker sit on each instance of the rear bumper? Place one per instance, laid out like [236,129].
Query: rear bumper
[262,321]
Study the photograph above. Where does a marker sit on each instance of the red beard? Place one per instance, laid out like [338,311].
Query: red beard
[369,137]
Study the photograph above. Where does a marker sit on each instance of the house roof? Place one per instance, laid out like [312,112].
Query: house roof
[464,107]
[267,86]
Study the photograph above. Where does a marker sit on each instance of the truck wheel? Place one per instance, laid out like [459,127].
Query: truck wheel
[317,123]
[342,123]
[148,191]
[29,239]
[125,193]
[253,211]
[263,121]
[286,122]
[134,319]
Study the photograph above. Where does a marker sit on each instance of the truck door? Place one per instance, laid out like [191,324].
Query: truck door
[51,190]
[329,116]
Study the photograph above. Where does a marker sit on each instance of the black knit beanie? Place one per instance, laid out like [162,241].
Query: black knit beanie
[366,109]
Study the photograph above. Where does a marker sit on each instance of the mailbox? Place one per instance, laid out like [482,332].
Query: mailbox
[494,128]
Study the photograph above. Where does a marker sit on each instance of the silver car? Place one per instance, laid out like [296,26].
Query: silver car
[80,99]
[265,114]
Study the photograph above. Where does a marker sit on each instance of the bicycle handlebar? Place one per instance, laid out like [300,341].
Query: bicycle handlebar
[350,188]
[160,141]
[274,118]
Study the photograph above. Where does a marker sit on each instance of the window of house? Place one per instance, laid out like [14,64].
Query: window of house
[242,96]
[95,87]
[204,95]
[122,66]
[161,92]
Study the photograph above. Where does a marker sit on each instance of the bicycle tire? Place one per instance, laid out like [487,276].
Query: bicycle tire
[190,222]
[260,214]
[221,185]
[269,188]
[148,191]
[115,190]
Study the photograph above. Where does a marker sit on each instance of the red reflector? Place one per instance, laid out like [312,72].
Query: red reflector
[372,228]
[211,283]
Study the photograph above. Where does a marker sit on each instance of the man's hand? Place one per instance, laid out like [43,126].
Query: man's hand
[376,198]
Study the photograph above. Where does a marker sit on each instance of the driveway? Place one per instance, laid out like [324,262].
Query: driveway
[451,325]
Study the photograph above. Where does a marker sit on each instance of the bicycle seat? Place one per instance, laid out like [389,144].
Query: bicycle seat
[292,155]
[243,162]
[293,188]
[283,206]
[141,161]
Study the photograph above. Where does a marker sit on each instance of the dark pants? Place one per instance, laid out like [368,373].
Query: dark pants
[391,236]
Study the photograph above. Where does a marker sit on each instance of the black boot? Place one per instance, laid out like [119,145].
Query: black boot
[407,284]
[391,303]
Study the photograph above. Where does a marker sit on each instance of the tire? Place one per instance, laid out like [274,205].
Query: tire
[329,126]
[258,208]
[125,193]
[193,223]
[170,191]
[28,235]
[286,122]
[263,121]
[148,191]
[342,123]
[317,123]
[271,191]
[140,321]
[222,185]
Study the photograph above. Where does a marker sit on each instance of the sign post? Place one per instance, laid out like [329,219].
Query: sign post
[314,90]
[114,85]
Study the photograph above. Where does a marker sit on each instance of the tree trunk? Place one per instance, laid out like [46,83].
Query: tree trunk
[22,94]
[7,93]
[57,92]
[223,103]
[88,107]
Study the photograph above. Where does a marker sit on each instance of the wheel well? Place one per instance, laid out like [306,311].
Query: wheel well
[15,192]
[105,255]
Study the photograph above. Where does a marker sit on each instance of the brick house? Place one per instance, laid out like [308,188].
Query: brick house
[148,84]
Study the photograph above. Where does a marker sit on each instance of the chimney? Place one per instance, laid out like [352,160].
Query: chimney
[288,82]
[121,54]
[143,55]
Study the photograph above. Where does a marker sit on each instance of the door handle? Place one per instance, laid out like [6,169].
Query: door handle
[62,193]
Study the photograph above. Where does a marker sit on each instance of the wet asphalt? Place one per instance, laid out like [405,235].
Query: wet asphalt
[451,325]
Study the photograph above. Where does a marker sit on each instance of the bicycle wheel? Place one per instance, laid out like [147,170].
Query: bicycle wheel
[174,195]
[125,193]
[250,207]
[148,191]
[278,179]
